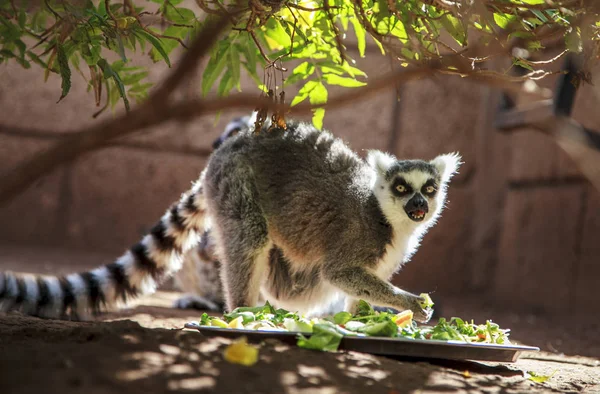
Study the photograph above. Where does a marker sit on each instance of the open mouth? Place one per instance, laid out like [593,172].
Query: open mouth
[417,215]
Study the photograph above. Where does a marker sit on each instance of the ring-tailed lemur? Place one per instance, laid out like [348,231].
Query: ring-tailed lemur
[295,216]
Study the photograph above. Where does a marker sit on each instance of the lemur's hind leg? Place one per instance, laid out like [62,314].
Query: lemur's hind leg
[244,258]
[241,235]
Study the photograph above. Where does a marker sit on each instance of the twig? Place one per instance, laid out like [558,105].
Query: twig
[97,113]
[310,9]
[206,8]
[336,33]
[109,12]
[152,33]
[56,15]
[12,4]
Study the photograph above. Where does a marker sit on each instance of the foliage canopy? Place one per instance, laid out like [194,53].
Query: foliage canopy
[76,36]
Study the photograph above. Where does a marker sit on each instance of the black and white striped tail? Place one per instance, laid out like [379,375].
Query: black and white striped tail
[139,271]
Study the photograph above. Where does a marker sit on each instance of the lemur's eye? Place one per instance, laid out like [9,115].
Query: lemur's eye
[401,188]
[429,189]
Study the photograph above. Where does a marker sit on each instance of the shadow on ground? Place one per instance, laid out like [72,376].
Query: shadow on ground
[123,357]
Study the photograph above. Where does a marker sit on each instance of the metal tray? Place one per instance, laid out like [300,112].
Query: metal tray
[397,347]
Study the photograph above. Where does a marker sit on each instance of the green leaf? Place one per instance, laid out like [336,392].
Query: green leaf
[333,79]
[364,308]
[342,317]
[522,63]
[302,71]
[276,32]
[156,43]
[384,329]
[234,67]
[454,27]
[540,15]
[399,31]
[304,92]
[64,70]
[121,49]
[318,95]
[503,20]
[109,72]
[325,338]
[36,59]
[140,88]
[133,78]
[359,30]
[179,15]
[214,68]
[317,119]
[90,53]
[226,84]
[22,19]
[7,54]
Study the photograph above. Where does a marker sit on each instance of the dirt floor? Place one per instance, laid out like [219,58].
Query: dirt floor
[143,350]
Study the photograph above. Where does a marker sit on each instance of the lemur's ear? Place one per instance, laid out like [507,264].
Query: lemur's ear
[447,165]
[380,161]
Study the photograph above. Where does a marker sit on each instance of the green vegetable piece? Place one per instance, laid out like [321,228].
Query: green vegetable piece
[325,338]
[354,325]
[365,309]
[297,325]
[204,319]
[246,316]
[383,329]
[428,303]
[342,317]
[215,321]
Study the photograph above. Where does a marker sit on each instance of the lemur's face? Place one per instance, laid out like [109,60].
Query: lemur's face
[415,190]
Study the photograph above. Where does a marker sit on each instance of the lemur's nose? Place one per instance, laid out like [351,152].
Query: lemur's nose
[419,203]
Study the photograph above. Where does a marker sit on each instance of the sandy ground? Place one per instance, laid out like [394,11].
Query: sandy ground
[143,349]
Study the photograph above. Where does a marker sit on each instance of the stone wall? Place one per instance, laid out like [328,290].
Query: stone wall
[520,228]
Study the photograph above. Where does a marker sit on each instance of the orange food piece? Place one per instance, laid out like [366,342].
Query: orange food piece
[403,319]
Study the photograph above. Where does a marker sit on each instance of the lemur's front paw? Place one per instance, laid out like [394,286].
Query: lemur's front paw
[423,315]
[420,314]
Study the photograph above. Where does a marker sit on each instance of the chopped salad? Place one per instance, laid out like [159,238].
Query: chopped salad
[326,333]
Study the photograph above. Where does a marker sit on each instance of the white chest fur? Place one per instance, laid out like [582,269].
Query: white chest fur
[395,255]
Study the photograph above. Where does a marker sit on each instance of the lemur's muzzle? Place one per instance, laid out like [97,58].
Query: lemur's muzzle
[416,208]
